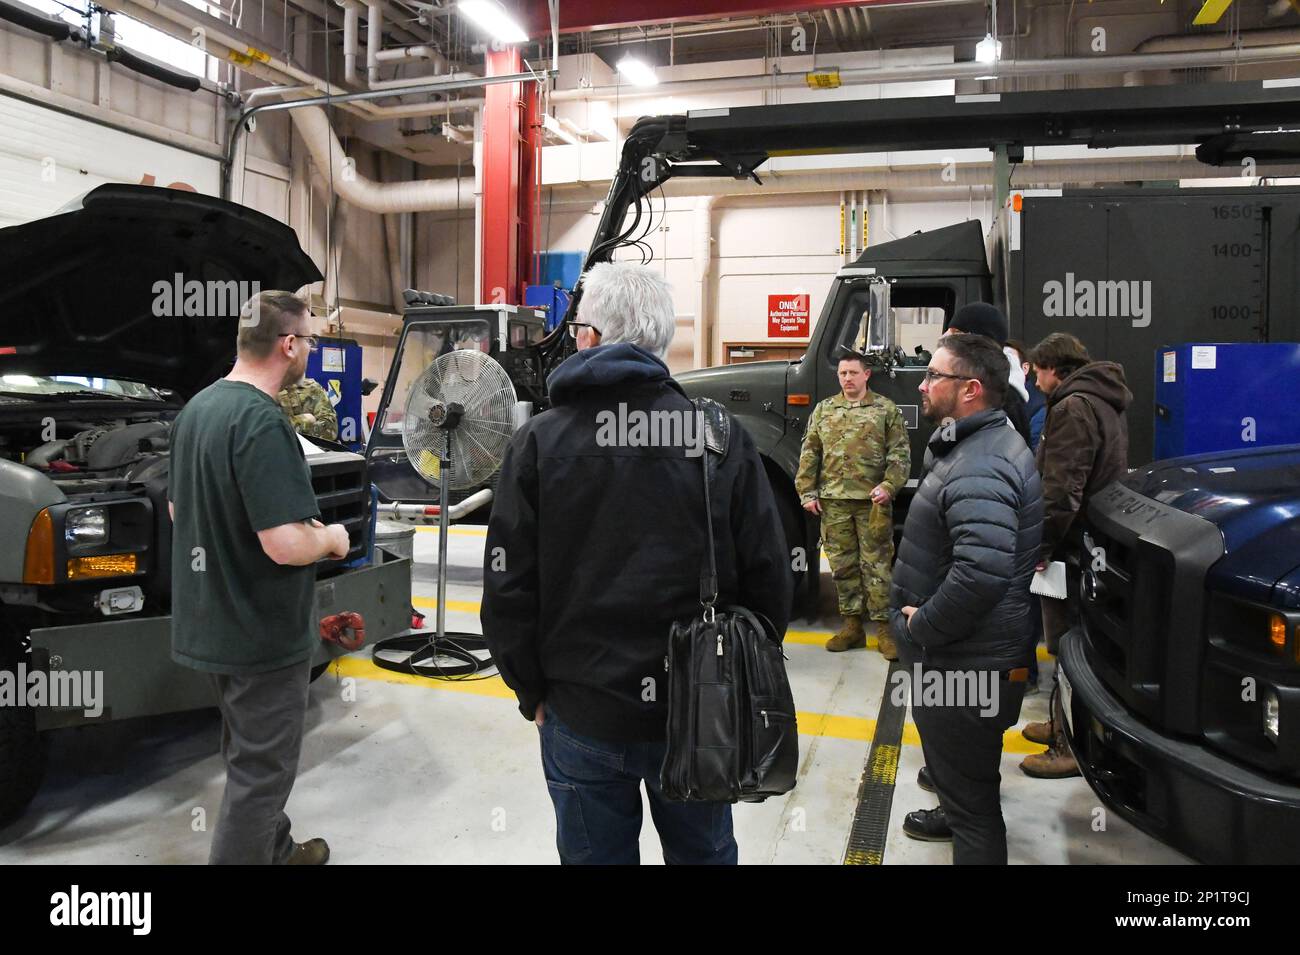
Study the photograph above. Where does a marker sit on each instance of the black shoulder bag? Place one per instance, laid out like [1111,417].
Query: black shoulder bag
[731,718]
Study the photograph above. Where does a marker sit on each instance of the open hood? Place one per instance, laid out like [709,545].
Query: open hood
[139,283]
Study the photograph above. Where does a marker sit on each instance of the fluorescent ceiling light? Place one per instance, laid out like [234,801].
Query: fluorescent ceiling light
[637,72]
[491,17]
[988,50]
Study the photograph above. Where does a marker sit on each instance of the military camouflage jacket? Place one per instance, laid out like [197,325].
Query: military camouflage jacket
[305,398]
[852,446]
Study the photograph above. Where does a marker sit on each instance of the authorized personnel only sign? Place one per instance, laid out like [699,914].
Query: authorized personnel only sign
[787,316]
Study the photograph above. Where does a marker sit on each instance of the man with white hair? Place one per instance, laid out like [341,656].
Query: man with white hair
[594,548]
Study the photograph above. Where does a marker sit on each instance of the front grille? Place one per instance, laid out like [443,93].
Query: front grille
[343,495]
[1143,603]
[1124,599]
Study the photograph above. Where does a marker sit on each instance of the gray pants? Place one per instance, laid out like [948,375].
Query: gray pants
[262,717]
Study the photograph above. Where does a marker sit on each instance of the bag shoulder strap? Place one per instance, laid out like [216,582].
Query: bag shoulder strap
[716,424]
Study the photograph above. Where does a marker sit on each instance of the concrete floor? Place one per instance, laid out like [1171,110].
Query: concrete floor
[404,770]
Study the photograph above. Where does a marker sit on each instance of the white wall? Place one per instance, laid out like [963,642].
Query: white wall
[765,245]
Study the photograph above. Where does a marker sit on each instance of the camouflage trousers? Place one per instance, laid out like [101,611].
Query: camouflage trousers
[858,537]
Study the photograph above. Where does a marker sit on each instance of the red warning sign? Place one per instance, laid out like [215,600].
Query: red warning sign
[787,316]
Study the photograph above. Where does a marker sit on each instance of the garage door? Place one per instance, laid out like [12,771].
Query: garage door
[48,158]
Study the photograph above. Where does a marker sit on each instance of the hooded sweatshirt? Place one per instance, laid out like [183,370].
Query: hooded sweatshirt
[596,541]
[1084,446]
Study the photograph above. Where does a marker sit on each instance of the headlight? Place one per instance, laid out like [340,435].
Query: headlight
[86,526]
[1270,714]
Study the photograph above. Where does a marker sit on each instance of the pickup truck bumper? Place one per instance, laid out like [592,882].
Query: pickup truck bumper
[134,653]
[1184,794]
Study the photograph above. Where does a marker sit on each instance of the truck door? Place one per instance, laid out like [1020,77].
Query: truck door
[919,307]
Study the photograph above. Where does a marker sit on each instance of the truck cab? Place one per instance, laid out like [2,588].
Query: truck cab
[108,325]
[892,304]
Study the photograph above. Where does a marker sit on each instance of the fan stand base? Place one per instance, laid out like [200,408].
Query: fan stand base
[423,648]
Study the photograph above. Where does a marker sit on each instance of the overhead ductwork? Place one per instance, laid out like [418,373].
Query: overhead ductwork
[428,195]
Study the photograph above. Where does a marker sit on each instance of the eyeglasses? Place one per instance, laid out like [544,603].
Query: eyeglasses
[313,343]
[574,326]
[931,375]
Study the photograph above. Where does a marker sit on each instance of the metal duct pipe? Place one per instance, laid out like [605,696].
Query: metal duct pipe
[398,85]
[430,195]
[421,52]
[703,254]
[351,23]
[1249,39]
[374,37]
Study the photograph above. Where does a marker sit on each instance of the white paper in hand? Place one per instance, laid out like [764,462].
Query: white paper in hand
[1050,582]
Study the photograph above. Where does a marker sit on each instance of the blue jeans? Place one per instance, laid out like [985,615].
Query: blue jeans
[596,788]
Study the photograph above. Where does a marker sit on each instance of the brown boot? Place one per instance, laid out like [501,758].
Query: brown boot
[850,636]
[1057,763]
[1040,733]
[884,642]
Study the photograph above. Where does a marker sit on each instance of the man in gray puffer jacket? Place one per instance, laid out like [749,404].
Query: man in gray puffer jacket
[960,595]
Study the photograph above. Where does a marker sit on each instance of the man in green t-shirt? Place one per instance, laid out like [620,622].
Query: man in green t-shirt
[245,541]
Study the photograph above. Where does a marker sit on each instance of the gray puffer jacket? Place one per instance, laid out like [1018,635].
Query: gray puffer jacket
[969,547]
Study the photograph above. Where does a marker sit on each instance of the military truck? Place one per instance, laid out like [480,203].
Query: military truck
[1181,684]
[113,312]
[1215,261]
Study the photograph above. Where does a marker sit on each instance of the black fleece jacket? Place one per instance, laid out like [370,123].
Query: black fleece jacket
[968,551]
[594,548]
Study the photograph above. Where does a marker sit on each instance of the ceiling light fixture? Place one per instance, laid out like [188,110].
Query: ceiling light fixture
[637,72]
[491,17]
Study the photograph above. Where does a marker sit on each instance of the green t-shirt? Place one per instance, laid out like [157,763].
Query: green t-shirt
[237,468]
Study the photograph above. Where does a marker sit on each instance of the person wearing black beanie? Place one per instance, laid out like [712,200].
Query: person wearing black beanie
[981,318]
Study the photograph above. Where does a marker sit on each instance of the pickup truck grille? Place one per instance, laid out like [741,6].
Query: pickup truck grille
[343,495]
[1142,601]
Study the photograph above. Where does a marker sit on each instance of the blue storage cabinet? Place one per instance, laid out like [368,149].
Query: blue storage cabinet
[1224,397]
[336,365]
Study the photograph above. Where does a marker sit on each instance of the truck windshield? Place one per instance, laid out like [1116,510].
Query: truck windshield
[18,384]
[424,343]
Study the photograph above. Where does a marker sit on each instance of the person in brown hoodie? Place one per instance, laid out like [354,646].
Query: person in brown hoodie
[1084,447]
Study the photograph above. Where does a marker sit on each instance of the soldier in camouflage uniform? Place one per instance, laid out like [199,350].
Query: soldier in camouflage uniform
[855,458]
[309,410]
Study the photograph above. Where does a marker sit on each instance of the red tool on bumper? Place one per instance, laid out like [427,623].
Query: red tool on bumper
[347,629]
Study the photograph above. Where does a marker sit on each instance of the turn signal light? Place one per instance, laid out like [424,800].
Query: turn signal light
[799,400]
[104,565]
[38,562]
[1277,630]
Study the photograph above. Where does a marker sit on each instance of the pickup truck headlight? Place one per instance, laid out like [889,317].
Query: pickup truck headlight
[85,527]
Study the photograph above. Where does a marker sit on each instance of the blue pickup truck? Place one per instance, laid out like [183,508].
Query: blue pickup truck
[1181,684]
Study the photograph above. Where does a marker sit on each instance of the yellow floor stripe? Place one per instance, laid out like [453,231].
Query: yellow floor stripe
[461,531]
[810,724]
[463,606]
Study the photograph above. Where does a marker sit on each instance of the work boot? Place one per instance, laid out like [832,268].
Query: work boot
[311,852]
[924,781]
[850,636]
[928,825]
[1057,763]
[884,642]
[1040,733]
